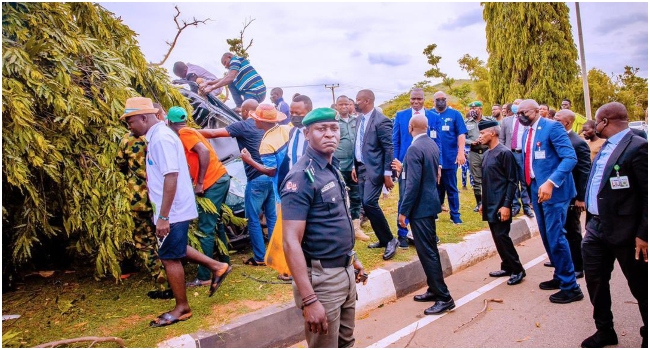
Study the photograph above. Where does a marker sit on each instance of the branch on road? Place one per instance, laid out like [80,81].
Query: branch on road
[94,340]
[485,302]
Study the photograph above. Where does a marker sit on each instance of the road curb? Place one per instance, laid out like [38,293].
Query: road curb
[283,325]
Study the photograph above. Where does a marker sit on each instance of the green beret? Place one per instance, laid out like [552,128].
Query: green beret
[485,123]
[476,104]
[320,115]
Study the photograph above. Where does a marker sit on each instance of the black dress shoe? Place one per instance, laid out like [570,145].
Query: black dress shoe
[601,339]
[440,307]
[391,249]
[500,273]
[376,245]
[548,264]
[550,285]
[427,296]
[529,213]
[565,297]
[580,274]
[516,278]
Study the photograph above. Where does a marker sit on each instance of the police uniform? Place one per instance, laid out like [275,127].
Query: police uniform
[314,191]
[130,160]
[475,152]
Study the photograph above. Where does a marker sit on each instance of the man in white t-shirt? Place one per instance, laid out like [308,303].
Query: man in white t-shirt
[172,199]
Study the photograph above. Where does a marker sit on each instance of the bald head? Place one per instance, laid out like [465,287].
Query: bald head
[180,69]
[517,102]
[566,117]
[611,118]
[419,124]
[439,94]
[613,111]
[528,104]
[225,59]
[248,106]
[366,100]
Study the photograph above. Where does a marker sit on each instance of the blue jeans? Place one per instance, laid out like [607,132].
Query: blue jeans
[238,97]
[259,196]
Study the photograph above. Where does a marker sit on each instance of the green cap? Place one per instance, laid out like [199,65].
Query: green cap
[476,104]
[177,114]
[320,115]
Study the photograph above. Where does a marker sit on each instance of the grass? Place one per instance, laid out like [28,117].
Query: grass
[73,304]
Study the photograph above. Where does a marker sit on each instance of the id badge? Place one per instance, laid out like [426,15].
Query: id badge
[445,128]
[540,154]
[433,134]
[403,175]
[619,182]
[470,127]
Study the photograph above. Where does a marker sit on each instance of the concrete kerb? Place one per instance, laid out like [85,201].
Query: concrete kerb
[283,325]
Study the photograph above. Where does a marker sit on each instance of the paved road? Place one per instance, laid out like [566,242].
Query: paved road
[525,319]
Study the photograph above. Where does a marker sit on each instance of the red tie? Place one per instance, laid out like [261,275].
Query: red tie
[528,161]
[417,112]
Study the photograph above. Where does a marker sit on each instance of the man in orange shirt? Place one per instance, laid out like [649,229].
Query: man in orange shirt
[211,180]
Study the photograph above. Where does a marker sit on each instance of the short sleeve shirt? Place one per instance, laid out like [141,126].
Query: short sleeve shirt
[321,203]
[247,78]
[165,155]
[248,136]
[452,125]
[190,138]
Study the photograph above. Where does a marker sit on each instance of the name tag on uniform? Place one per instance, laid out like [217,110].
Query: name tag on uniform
[540,154]
[445,128]
[433,134]
[470,127]
[327,187]
[619,182]
[403,175]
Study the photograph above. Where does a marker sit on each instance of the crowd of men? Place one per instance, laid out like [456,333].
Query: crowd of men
[320,168]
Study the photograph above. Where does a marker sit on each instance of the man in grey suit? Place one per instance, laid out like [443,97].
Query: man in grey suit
[513,141]
[373,152]
[420,204]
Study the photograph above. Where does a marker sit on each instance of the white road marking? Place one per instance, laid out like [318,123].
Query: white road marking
[460,302]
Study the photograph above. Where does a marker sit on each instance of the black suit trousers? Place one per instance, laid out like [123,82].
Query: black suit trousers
[574,236]
[369,194]
[424,236]
[505,247]
[599,257]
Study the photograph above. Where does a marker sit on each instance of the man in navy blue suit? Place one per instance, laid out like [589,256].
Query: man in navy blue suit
[549,159]
[420,204]
[402,140]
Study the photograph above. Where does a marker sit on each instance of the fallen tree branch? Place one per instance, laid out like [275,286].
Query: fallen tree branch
[413,336]
[195,22]
[486,302]
[264,281]
[94,340]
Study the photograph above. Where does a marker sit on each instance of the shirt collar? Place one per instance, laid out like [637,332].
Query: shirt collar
[278,101]
[418,136]
[320,159]
[614,140]
[151,130]
[367,115]
[413,111]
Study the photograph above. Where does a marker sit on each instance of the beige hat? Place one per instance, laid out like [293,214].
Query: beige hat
[138,105]
[268,113]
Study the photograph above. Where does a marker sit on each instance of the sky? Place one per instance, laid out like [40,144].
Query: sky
[362,45]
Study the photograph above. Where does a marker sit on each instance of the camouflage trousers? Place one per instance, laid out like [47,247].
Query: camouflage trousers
[145,247]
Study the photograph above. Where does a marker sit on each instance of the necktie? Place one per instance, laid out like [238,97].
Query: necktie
[294,153]
[513,143]
[361,134]
[417,112]
[528,161]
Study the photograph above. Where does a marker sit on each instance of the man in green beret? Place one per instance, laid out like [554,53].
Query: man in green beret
[318,236]
[476,149]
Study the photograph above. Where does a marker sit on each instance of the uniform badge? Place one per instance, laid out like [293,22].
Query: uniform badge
[291,186]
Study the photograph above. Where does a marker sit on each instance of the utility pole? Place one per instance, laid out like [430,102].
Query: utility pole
[585,83]
[332,87]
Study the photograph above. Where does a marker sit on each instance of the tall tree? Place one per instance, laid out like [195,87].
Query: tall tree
[433,60]
[479,75]
[531,50]
[67,70]
[634,89]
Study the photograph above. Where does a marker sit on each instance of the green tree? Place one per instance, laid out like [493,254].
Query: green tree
[634,89]
[531,50]
[67,70]
[433,60]
[601,90]
[237,44]
[479,75]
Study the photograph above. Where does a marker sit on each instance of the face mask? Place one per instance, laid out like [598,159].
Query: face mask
[296,120]
[598,133]
[440,105]
[523,120]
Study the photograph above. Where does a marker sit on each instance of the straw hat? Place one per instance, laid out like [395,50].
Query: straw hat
[138,105]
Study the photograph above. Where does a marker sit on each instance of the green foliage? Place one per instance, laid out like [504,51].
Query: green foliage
[236,45]
[531,50]
[433,60]
[479,74]
[67,70]
[458,96]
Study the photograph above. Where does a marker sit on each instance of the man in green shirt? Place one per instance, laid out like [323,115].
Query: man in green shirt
[345,154]
[476,149]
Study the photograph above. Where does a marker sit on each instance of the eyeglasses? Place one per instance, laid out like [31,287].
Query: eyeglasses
[441,99]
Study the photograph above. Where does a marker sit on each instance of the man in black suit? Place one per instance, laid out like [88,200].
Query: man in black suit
[617,221]
[500,182]
[580,177]
[373,152]
[420,204]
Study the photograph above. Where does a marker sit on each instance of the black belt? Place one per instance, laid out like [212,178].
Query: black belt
[516,150]
[342,261]
[478,150]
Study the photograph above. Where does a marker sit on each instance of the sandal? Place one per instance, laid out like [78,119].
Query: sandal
[285,277]
[218,280]
[252,262]
[197,283]
[167,319]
